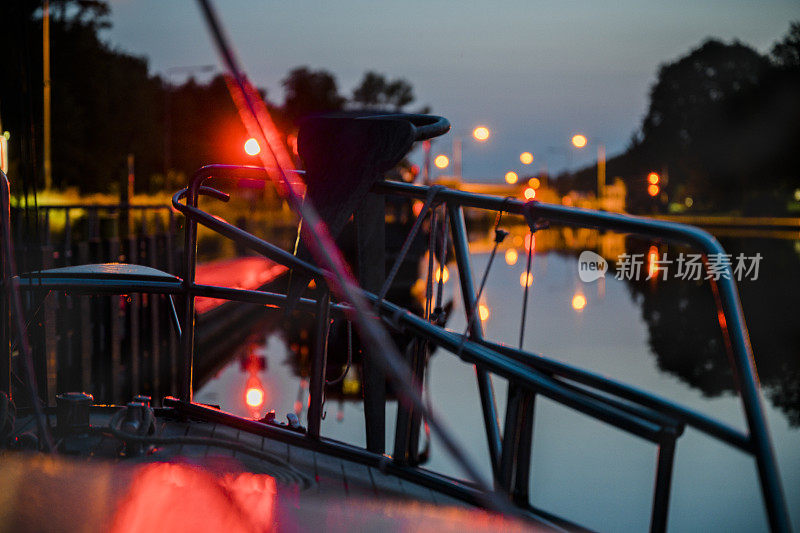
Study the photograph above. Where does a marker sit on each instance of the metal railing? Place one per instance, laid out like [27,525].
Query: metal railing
[642,414]
[637,412]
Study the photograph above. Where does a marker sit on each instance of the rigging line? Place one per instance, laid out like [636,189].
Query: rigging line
[438,319]
[528,281]
[429,198]
[499,236]
[442,260]
[324,250]
[430,280]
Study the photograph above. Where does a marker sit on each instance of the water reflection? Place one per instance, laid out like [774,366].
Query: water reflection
[661,334]
[682,328]
[578,302]
[685,335]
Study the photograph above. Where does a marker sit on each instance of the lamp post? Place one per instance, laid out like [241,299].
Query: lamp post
[579,141]
[480,134]
[47,144]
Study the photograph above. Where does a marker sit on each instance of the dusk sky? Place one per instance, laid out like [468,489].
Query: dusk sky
[534,72]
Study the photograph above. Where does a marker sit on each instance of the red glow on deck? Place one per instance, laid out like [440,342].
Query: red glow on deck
[180,497]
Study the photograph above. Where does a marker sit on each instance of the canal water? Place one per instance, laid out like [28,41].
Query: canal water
[660,335]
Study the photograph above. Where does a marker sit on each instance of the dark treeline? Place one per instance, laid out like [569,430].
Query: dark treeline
[723,125]
[723,122]
[105,104]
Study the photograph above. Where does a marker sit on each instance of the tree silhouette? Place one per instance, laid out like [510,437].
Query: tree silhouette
[786,53]
[309,92]
[724,122]
[375,91]
[688,106]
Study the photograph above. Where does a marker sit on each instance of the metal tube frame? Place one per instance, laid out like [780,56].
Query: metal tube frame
[736,330]
[532,373]
[319,364]
[485,388]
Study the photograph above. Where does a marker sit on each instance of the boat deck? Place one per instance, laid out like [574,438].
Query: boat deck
[312,489]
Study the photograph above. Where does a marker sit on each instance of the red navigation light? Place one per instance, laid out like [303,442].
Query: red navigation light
[653,178]
[251,147]
[254,394]
[653,190]
[254,397]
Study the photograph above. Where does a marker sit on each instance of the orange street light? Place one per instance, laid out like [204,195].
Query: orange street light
[441,161]
[529,193]
[653,178]
[578,302]
[526,158]
[481,133]
[251,147]
[534,183]
[579,140]
[511,177]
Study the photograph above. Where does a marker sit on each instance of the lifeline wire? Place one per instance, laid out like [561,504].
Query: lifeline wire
[499,236]
[528,278]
